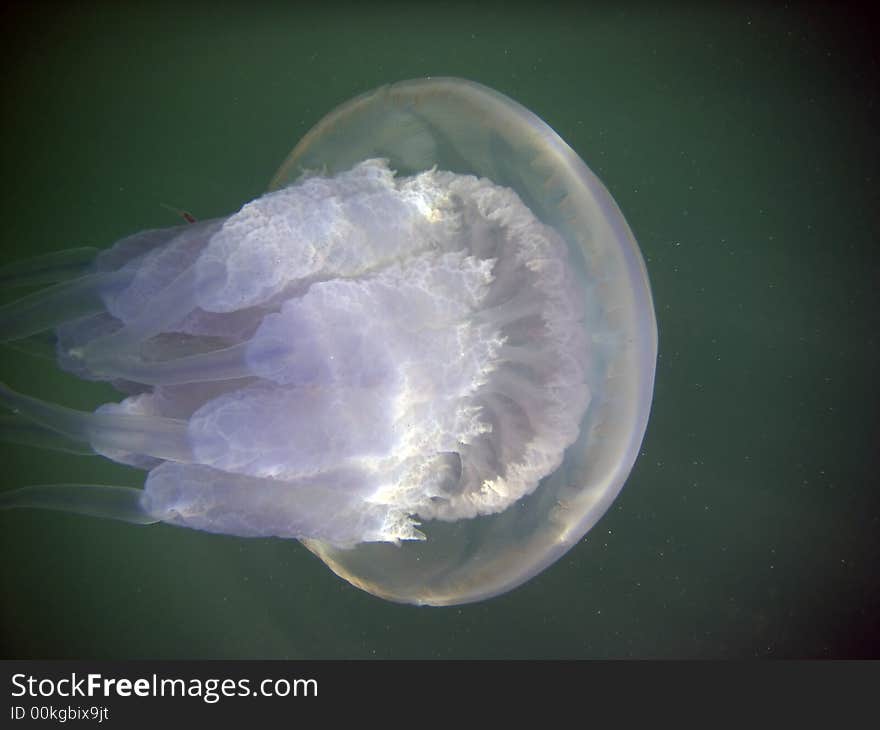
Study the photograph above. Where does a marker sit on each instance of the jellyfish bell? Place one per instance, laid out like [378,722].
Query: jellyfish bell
[427,353]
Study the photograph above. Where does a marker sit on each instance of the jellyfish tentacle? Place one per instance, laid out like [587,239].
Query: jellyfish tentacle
[168,308]
[49,268]
[42,344]
[95,500]
[18,430]
[48,308]
[228,363]
[162,438]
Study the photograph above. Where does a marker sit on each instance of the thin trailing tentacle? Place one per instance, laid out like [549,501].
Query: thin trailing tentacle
[42,344]
[47,308]
[225,364]
[19,430]
[168,308]
[50,268]
[162,438]
[95,500]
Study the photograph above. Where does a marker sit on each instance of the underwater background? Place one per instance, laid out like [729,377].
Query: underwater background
[740,141]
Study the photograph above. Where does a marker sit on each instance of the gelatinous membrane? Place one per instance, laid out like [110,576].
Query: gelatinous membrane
[428,352]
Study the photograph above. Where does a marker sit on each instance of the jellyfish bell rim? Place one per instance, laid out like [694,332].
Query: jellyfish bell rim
[572,199]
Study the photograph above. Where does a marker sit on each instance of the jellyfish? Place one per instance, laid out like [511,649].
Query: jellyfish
[427,352]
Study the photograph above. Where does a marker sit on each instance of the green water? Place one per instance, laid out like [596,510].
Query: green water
[741,144]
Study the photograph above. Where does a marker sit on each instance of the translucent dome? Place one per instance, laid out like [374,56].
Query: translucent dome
[427,353]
